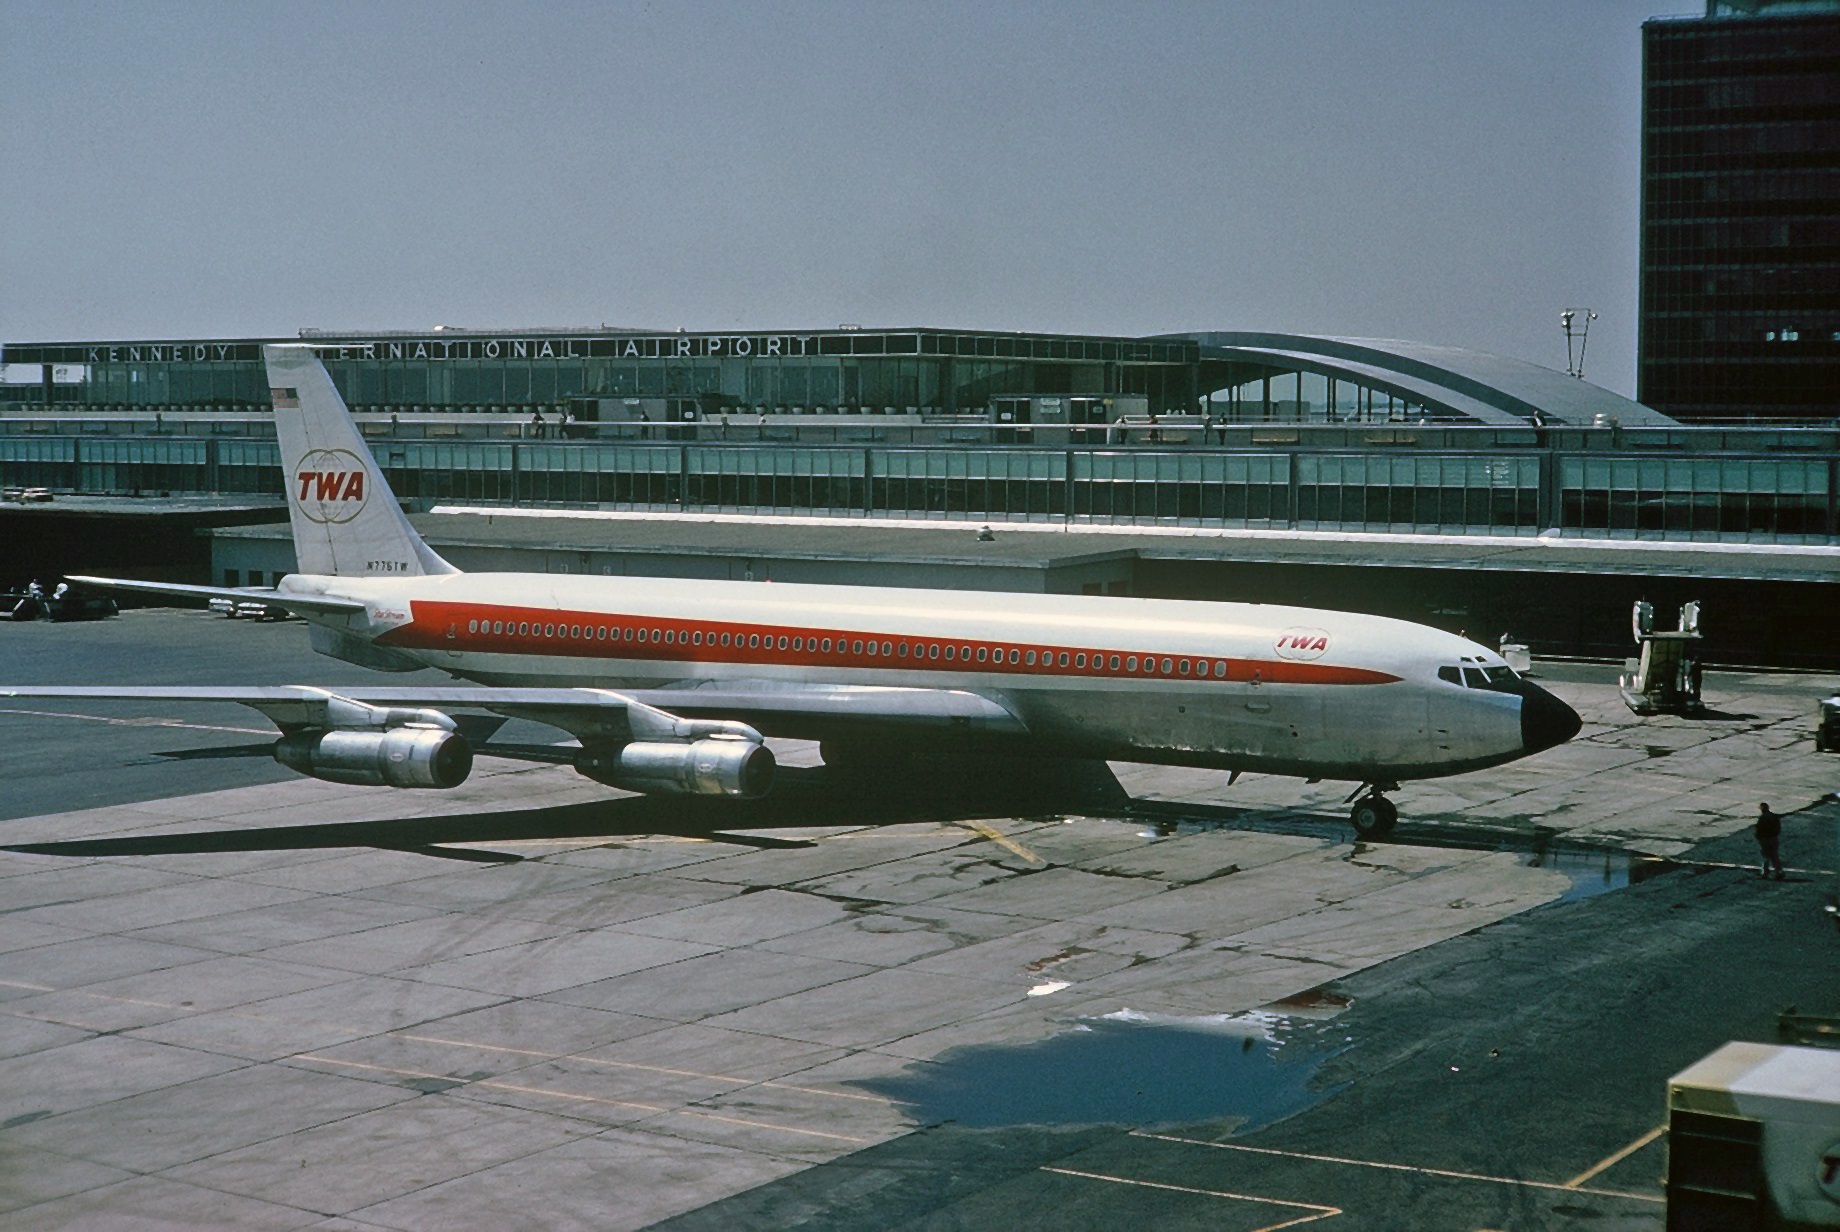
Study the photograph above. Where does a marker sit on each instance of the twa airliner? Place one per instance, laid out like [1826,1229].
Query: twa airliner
[672,686]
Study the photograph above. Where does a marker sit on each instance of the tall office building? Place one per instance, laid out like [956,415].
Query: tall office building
[1740,298]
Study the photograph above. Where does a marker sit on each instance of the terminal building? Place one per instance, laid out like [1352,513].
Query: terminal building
[1019,378]
[1208,429]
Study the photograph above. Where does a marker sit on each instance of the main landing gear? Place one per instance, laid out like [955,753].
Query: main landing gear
[1373,816]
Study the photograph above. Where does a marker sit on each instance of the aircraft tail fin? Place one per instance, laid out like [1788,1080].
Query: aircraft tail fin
[345,519]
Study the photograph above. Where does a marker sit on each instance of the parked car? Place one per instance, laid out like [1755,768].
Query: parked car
[1827,725]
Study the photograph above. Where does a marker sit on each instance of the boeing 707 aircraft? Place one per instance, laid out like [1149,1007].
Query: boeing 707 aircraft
[672,686]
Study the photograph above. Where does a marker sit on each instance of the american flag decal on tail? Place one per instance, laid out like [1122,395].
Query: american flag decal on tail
[285,399]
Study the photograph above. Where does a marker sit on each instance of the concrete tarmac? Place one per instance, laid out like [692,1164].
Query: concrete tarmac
[230,997]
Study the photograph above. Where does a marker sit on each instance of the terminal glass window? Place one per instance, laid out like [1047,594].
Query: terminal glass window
[1756,499]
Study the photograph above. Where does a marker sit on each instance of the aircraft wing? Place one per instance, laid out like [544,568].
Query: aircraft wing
[777,709]
[295,603]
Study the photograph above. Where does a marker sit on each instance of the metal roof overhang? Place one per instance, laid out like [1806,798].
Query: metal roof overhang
[1431,395]
[1492,389]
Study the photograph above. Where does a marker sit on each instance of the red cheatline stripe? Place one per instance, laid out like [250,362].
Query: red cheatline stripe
[468,627]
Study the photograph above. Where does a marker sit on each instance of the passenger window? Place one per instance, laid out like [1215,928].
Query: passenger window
[1115,663]
[1079,660]
[1063,658]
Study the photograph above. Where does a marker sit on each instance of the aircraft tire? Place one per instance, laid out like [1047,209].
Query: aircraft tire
[1373,817]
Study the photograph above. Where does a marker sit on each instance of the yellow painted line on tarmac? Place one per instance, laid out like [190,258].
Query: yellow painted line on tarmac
[1444,1173]
[144,722]
[533,1053]
[1317,1210]
[498,1084]
[609,1063]
[1002,840]
[784,1129]
[1616,1157]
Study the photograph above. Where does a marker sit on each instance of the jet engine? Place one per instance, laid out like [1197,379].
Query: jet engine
[371,746]
[722,765]
[396,757]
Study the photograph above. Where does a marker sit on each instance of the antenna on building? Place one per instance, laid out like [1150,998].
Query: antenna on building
[1583,334]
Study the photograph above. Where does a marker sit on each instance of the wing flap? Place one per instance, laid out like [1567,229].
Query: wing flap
[867,705]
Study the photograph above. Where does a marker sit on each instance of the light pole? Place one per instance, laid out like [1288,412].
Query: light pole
[1583,334]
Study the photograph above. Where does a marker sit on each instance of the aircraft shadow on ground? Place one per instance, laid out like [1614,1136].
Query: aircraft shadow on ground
[801,798]
[224,752]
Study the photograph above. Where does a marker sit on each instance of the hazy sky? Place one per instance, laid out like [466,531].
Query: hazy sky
[1451,172]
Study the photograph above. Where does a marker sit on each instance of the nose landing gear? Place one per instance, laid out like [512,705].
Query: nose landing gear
[1373,816]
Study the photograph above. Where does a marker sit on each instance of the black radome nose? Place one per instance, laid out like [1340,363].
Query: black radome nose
[1545,720]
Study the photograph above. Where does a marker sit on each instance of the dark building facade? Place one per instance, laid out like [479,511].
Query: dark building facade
[1740,295]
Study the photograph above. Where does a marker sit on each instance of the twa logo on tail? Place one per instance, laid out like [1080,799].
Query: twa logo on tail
[331,485]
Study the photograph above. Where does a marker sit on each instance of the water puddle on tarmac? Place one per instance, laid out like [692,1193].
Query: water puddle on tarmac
[1137,1069]
[1597,870]
[1590,869]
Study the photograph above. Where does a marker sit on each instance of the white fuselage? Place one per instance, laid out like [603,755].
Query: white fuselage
[1243,686]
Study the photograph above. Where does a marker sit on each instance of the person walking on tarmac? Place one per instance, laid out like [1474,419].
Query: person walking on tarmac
[1769,838]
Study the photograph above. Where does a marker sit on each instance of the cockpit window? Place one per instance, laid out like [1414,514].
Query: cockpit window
[1498,679]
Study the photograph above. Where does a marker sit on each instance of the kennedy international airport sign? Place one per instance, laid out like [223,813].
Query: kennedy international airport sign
[469,347]
[437,347]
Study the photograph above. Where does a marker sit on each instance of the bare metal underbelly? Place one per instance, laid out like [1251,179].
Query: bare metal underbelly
[1354,732]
